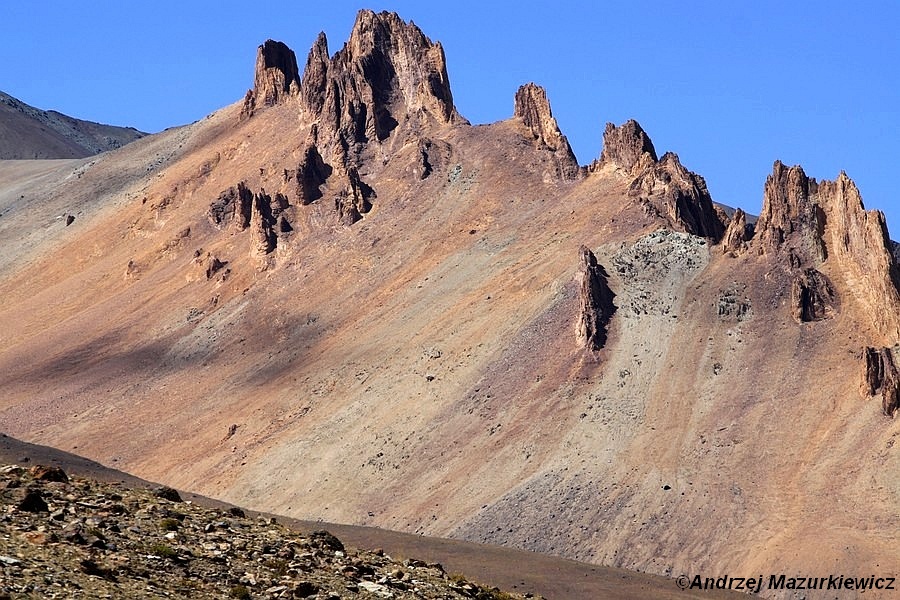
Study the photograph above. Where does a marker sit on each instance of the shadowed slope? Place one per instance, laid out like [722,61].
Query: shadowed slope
[28,133]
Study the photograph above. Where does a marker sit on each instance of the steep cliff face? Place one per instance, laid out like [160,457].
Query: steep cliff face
[858,241]
[533,108]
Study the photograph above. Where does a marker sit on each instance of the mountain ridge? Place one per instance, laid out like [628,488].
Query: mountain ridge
[405,332]
[31,133]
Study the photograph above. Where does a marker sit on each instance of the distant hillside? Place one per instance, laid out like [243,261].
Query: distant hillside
[27,132]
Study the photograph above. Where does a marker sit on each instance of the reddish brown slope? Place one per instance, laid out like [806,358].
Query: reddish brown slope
[406,354]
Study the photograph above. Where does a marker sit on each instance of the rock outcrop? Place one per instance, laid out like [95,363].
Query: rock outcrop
[233,207]
[387,75]
[276,77]
[736,233]
[812,297]
[857,239]
[533,108]
[826,223]
[355,200]
[262,224]
[790,216]
[628,148]
[239,207]
[679,194]
[663,186]
[881,376]
[311,174]
[596,302]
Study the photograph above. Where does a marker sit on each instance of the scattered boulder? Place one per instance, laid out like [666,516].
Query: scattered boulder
[33,502]
[325,539]
[596,302]
[45,473]
[731,306]
[213,265]
[92,547]
[167,493]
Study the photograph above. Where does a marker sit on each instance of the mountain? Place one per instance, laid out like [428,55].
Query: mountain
[27,132]
[338,299]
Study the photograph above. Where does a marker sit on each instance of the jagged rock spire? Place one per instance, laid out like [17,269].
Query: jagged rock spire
[532,106]
[627,147]
[596,302]
[275,78]
[736,234]
[387,74]
[790,214]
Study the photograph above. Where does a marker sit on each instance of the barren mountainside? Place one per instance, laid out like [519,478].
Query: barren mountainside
[28,133]
[338,299]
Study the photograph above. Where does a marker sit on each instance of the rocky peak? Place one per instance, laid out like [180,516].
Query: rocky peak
[315,75]
[627,147]
[736,234]
[388,74]
[826,222]
[276,77]
[532,106]
[664,187]
[790,215]
[667,188]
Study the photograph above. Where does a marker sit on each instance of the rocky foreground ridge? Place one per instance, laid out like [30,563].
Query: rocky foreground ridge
[63,537]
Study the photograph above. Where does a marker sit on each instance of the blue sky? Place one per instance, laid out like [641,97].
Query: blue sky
[728,85]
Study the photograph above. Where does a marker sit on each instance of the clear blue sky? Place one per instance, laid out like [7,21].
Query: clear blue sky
[728,85]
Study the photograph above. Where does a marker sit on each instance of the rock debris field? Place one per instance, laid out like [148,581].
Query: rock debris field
[63,537]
